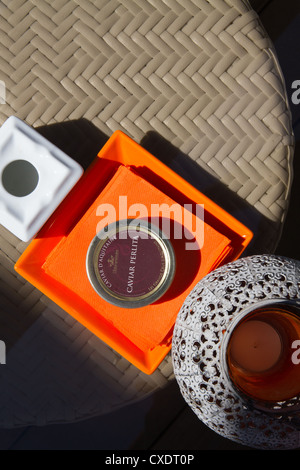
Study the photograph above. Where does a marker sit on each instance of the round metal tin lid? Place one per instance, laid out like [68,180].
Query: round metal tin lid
[131,263]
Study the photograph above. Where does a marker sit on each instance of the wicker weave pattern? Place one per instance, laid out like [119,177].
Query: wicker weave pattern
[204,76]
[199,73]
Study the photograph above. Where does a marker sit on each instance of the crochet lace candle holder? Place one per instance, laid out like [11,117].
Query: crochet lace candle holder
[251,399]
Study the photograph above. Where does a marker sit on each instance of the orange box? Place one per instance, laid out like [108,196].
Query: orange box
[42,264]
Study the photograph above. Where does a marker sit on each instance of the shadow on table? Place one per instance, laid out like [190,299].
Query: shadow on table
[177,427]
[266,233]
[80,139]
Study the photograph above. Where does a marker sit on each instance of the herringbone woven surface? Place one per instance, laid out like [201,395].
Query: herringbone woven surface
[200,75]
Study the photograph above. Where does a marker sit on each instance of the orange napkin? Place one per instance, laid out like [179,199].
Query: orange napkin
[148,326]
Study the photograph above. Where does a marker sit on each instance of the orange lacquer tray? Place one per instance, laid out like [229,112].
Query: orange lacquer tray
[119,150]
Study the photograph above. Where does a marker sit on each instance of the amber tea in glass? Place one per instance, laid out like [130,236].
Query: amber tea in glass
[261,355]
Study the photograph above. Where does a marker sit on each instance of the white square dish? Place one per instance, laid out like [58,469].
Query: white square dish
[35,177]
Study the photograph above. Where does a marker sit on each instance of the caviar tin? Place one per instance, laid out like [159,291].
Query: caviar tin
[131,263]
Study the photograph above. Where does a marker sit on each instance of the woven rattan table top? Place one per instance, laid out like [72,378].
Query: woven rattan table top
[197,83]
